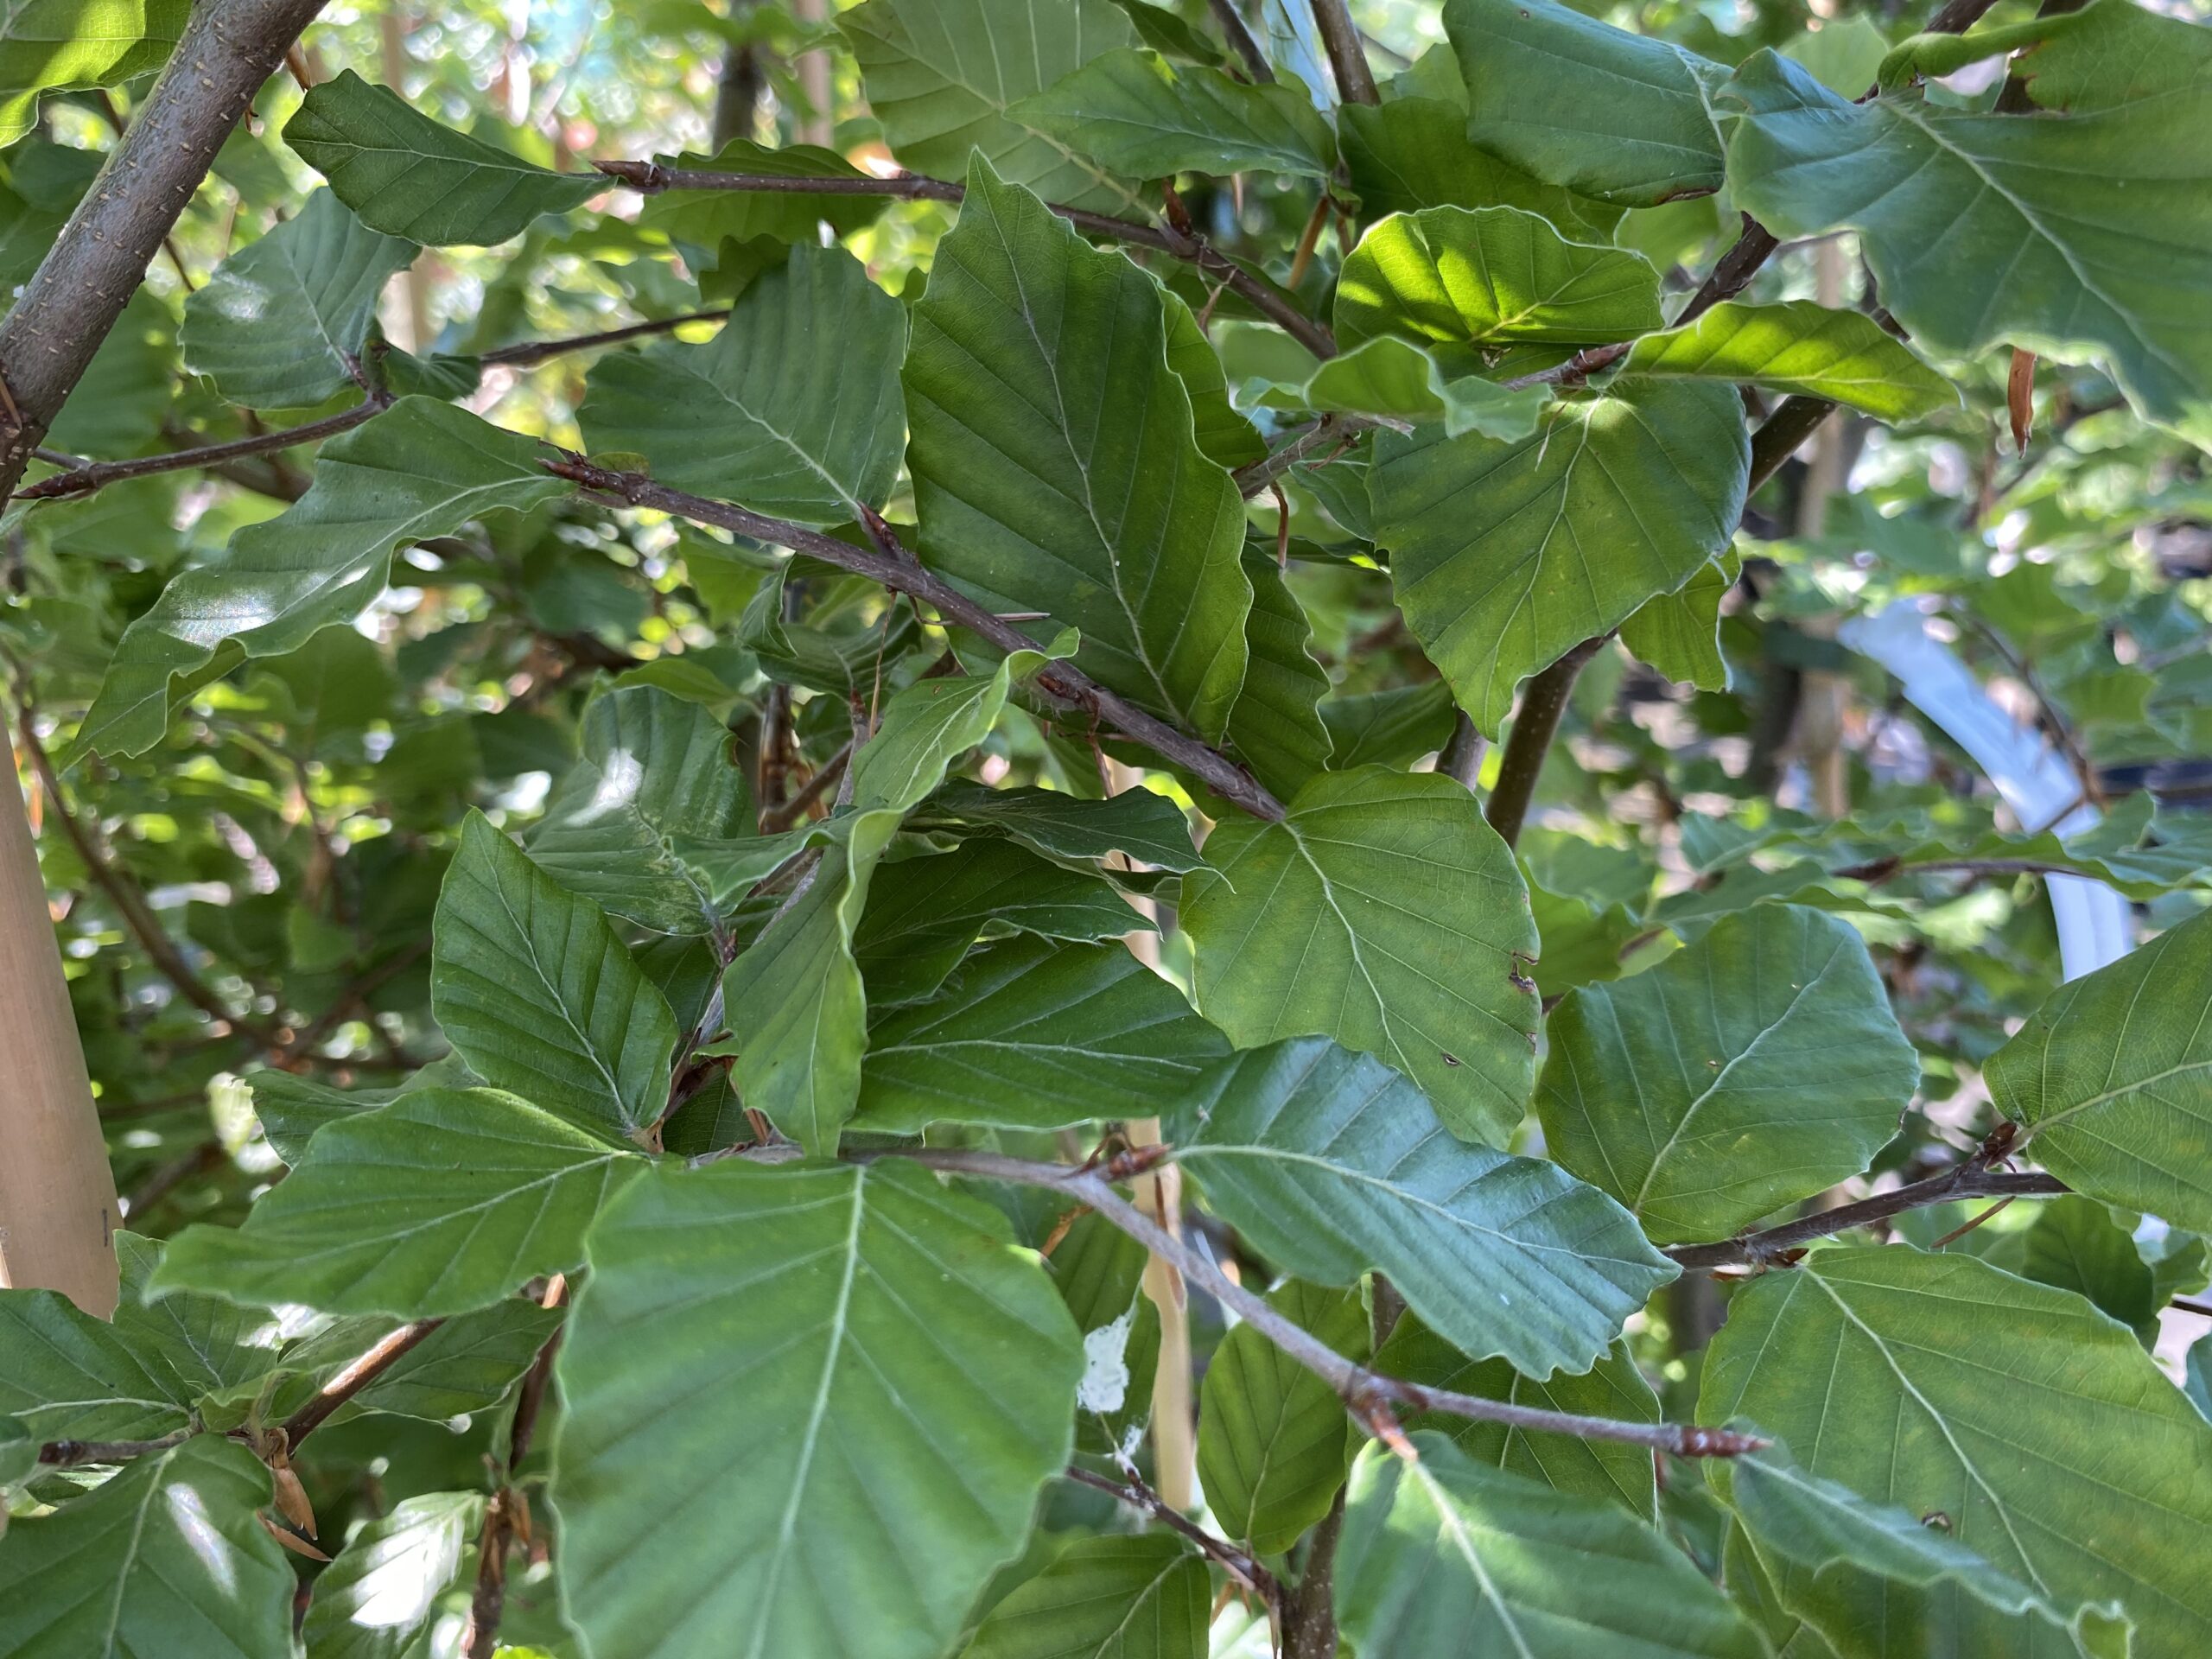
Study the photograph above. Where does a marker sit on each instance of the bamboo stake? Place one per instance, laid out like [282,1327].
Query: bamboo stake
[58,1212]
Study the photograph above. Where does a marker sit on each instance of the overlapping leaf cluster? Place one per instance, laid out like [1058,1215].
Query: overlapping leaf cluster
[703,868]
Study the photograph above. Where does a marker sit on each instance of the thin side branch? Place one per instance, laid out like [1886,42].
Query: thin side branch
[1369,1396]
[1347,57]
[1330,431]
[896,568]
[1239,36]
[1139,1497]
[1773,1246]
[531,353]
[1886,869]
[122,892]
[372,1364]
[98,474]
[651,178]
[1530,739]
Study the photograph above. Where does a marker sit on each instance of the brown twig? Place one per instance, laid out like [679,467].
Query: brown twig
[1886,869]
[123,890]
[1240,39]
[1369,1396]
[166,1179]
[1309,1619]
[898,569]
[372,1364]
[2061,732]
[1319,434]
[1138,1496]
[1521,761]
[1347,58]
[97,474]
[1765,1250]
[651,178]
[788,813]
[531,353]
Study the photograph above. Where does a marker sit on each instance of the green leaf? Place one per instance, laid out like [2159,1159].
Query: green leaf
[1758,1066]
[1140,116]
[69,1376]
[1506,555]
[2075,1245]
[1331,1164]
[1623,118]
[1813,1523]
[1679,633]
[381,1594]
[1472,281]
[1226,437]
[538,993]
[1030,1034]
[166,1558]
[941,75]
[421,469]
[921,1374]
[1389,728]
[1613,1388]
[796,1004]
[922,913]
[1948,1387]
[404,174]
[1275,1443]
[1054,459]
[446,1201]
[1582,942]
[280,324]
[2111,1079]
[1450,1560]
[793,409]
[292,1107]
[1800,348]
[1413,153]
[197,1345]
[1384,913]
[1388,379]
[2030,230]
[1275,727]
[55,45]
[657,769]
[1136,823]
[1142,1598]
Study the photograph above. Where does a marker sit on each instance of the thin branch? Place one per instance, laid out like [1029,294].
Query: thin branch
[1794,419]
[1968,1180]
[1369,1396]
[1347,58]
[123,890]
[371,1365]
[96,474]
[1239,36]
[1309,1622]
[783,817]
[891,564]
[229,47]
[84,477]
[651,178]
[2061,732]
[166,1180]
[1138,1496]
[531,353]
[1338,429]
[1534,726]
